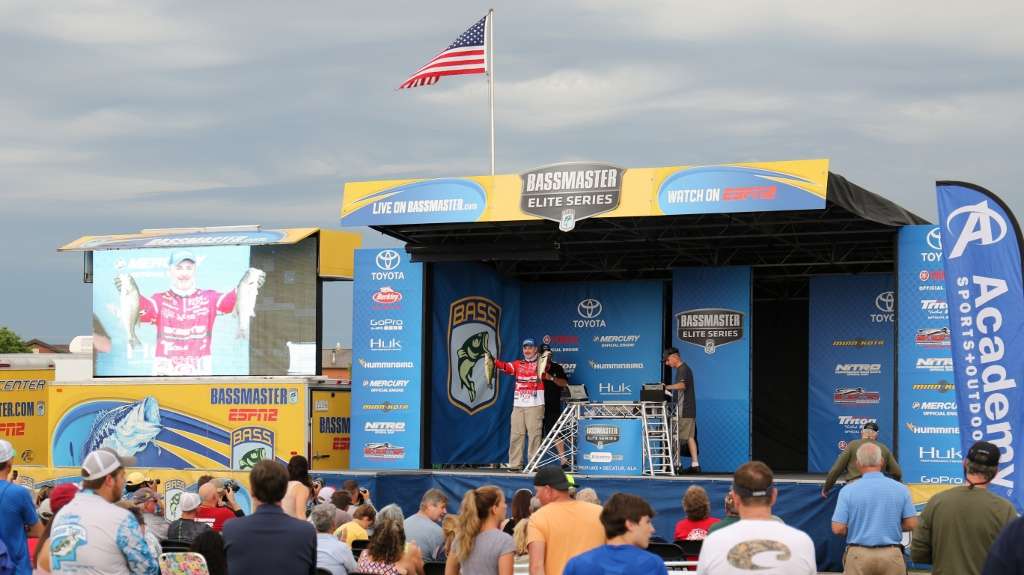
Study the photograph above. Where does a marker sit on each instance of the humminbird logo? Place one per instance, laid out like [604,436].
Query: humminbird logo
[596,365]
[929,430]
[567,193]
[859,342]
[602,435]
[941,387]
[709,327]
[935,363]
[858,368]
[384,364]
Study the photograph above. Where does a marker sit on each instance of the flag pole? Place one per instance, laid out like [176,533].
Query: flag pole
[490,77]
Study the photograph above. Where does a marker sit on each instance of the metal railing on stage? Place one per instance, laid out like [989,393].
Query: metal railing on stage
[658,440]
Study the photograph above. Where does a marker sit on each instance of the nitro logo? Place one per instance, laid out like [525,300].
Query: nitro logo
[473,342]
[885,303]
[589,309]
[979,226]
[858,369]
[384,427]
[596,365]
[601,435]
[567,193]
[930,430]
[709,328]
[936,364]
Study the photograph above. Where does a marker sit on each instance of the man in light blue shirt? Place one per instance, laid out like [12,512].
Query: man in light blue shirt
[872,512]
[331,554]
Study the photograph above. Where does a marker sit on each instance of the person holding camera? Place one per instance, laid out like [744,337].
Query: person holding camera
[210,511]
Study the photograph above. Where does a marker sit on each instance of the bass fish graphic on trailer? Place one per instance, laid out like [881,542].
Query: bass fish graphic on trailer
[249,446]
[127,429]
[473,324]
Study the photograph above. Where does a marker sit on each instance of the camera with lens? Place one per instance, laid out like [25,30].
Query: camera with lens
[230,485]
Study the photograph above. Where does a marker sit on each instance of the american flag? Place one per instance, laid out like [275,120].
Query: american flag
[466,55]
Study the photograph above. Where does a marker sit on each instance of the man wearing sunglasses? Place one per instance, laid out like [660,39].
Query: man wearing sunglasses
[528,405]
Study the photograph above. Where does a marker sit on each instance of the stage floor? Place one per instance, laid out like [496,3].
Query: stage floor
[799,503]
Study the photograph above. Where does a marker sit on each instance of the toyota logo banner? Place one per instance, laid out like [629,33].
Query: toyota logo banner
[982,262]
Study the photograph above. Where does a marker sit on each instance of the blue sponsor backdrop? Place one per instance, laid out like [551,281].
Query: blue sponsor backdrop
[722,378]
[218,268]
[607,335]
[387,352]
[610,447]
[470,428]
[732,189]
[850,365]
[929,445]
[434,201]
[982,257]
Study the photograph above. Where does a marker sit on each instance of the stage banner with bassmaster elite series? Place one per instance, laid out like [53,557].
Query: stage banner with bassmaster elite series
[981,246]
[610,446]
[850,367]
[570,192]
[711,327]
[23,406]
[474,311]
[387,368]
[203,425]
[606,335]
[929,441]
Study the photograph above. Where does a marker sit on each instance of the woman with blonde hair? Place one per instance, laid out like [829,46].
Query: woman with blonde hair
[480,547]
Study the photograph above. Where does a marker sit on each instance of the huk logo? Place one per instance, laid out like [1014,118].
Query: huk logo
[473,330]
[249,446]
[978,227]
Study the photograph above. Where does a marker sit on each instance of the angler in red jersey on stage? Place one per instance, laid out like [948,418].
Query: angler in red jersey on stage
[528,406]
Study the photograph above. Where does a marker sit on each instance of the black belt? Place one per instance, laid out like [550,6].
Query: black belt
[875,546]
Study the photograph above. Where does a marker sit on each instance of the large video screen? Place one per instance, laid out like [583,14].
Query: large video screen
[210,310]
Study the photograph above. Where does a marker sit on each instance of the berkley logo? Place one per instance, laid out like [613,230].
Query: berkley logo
[709,327]
[570,192]
[383,451]
[601,435]
[856,395]
[941,387]
[386,296]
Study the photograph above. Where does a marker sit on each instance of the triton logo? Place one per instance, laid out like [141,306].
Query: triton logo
[855,420]
[978,228]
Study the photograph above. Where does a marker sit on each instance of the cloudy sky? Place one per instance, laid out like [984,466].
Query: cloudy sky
[118,116]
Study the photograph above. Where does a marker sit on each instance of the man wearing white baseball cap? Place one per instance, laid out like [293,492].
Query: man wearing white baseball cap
[17,512]
[91,534]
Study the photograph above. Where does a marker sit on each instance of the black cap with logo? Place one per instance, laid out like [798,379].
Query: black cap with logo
[984,453]
[553,476]
[871,425]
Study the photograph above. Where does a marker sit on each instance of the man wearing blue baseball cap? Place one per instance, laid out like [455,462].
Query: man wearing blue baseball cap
[528,405]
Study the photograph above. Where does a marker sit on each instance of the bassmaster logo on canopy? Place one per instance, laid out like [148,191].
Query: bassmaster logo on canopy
[253,396]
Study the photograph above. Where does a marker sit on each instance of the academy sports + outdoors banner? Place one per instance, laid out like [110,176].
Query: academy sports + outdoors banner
[981,246]
[567,193]
[850,367]
[711,327]
[387,354]
[610,446]
[23,417]
[607,335]
[473,310]
[929,442]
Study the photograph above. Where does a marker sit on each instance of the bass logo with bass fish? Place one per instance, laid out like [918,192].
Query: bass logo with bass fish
[173,488]
[473,335]
[249,446]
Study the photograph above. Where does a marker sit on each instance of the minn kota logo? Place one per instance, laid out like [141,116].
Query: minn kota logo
[472,334]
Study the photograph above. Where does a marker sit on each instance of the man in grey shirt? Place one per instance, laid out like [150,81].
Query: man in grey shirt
[424,527]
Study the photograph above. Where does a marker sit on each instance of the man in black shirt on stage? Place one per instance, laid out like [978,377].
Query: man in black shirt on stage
[686,405]
[555,382]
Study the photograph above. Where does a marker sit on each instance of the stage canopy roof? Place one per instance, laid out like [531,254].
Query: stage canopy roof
[787,220]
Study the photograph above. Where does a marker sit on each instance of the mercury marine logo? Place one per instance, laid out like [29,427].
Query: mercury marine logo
[978,227]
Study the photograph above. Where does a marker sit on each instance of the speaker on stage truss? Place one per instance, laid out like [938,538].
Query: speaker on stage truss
[653,392]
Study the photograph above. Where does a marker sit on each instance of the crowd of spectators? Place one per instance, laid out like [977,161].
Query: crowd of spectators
[114,523]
